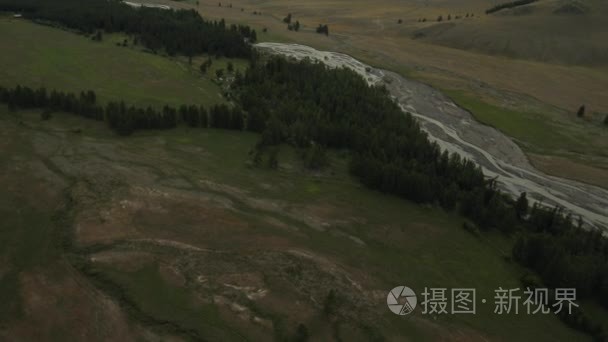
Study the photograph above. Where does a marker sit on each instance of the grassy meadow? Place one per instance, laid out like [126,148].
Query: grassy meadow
[39,55]
[377,241]
[173,235]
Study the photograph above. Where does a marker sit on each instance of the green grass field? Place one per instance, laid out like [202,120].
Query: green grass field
[40,55]
[404,244]
[547,134]
[196,187]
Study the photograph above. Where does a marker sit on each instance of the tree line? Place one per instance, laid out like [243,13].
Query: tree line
[313,108]
[565,255]
[122,118]
[310,106]
[182,32]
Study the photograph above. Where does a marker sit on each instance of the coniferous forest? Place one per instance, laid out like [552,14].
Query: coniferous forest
[177,32]
[314,108]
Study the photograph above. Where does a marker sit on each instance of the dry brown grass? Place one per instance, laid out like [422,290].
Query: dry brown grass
[369,31]
[559,166]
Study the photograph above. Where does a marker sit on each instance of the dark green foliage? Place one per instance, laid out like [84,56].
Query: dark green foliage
[98,36]
[606,120]
[176,31]
[273,158]
[301,334]
[581,111]
[287,19]
[45,115]
[440,18]
[331,303]
[471,228]
[206,65]
[315,158]
[563,254]
[579,320]
[323,29]
[509,5]
[294,27]
[120,117]
[521,206]
[299,104]
[257,156]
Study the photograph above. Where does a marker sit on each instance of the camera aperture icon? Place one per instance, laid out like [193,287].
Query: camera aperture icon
[401,300]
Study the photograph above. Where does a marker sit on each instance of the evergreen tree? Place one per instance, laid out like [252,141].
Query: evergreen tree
[581,111]
[287,19]
[521,206]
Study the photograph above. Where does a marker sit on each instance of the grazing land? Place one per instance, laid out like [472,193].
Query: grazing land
[544,59]
[175,235]
[56,59]
[250,252]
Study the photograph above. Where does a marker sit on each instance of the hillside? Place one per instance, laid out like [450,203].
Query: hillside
[155,225]
[53,58]
[517,64]
[174,235]
[179,237]
[546,31]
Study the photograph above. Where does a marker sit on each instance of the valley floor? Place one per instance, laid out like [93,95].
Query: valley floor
[250,252]
[532,100]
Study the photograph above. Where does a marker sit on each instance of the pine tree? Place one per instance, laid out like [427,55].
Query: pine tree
[581,111]
[287,19]
[521,206]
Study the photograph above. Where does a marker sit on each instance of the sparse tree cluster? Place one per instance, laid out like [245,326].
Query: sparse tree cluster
[287,19]
[206,65]
[449,17]
[323,29]
[294,27]
[291,26]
